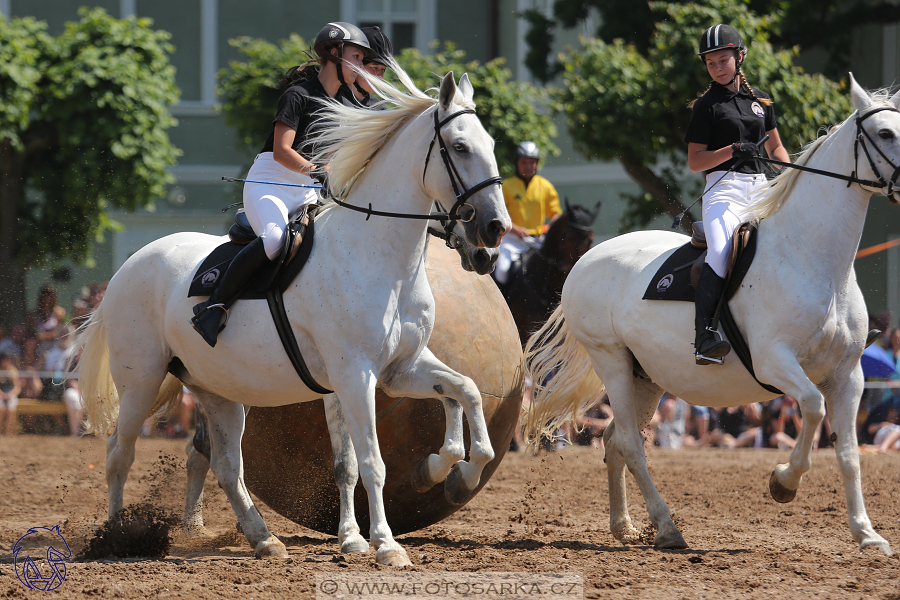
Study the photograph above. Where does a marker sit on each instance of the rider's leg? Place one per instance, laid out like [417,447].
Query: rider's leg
[511,249]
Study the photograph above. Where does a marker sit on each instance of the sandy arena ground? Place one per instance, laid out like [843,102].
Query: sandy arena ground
[538,513]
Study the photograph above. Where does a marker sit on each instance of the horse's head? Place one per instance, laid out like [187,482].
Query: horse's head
[571,235]
[471,257]
[465,172]
[877,154]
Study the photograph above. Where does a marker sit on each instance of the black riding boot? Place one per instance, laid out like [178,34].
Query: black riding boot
[708,346]
[208,315]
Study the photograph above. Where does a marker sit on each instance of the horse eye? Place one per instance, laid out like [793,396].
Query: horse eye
[886,134]
[459,147]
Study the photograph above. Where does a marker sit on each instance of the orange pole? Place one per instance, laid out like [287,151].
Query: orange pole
[877,248]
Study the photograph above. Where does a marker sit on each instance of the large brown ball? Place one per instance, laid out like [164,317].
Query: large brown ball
[287,453]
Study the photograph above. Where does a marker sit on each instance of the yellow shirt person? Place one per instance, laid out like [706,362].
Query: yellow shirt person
[531,206]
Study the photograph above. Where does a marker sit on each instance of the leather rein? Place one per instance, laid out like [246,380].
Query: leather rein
[453,215]
[861,136]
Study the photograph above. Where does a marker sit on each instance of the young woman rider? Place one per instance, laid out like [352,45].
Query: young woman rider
[340,48]
[727,122]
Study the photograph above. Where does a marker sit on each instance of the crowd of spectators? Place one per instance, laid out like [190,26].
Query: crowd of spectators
[34,360]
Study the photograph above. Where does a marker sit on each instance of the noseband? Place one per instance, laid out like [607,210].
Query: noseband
[861,136]
[455,179]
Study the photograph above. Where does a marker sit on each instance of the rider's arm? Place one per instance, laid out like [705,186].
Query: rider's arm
[774,148]
[284,153]
[700,159]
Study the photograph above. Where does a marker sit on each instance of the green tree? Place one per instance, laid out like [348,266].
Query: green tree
[632,106]
[828,25]
[511,111]
[83,121]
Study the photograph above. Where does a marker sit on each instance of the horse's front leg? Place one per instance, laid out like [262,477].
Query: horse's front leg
[226,428]
[843,404]
[346,473]
[428,378]
[356,394]
[780,368]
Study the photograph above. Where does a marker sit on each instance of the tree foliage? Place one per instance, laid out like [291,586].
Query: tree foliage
[510,110]
[827,25]
[83,128]
[622,103]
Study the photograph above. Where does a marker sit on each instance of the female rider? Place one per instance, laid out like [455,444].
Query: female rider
[727,122]
[340,47]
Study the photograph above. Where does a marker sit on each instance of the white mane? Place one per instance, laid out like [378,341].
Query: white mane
[355,134]
[771,197]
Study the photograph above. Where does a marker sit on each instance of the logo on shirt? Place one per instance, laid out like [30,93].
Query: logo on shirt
[757,110]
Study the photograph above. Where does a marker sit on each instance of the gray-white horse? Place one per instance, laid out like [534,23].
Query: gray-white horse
[799,309]
[362,310]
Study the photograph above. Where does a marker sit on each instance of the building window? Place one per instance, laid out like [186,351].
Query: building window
[408,23]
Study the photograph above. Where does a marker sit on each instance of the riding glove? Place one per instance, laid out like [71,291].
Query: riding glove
[744,150]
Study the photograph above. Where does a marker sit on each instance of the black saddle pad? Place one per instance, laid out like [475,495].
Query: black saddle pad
[673,279]
[215,265]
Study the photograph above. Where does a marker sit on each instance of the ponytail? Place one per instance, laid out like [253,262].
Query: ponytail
[703,93]
[300,73]
[764,101]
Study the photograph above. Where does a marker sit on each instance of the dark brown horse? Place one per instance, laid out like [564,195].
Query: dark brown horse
[536,280]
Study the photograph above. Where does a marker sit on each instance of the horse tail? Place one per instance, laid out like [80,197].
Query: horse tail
[95,382]
[564,384]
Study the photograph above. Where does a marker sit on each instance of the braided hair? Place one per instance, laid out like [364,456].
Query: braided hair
[302,72]
[740,74]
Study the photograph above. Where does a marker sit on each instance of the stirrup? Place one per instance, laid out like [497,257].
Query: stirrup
[708,360]
[209,306]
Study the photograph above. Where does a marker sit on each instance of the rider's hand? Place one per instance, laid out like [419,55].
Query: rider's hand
[519,231]
[744,150]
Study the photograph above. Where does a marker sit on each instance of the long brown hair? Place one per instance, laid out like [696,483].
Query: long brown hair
[740,74]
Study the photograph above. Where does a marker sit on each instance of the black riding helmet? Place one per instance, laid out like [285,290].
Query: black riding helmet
[721,37]
[380,45]
[335,35]
[528,150]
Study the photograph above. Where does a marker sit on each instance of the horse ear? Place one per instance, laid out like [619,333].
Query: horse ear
[860,98]
[567,205]
[465,87]
[448,91]
[596,211]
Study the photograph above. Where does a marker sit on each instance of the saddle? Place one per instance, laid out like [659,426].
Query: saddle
[673,281]
[272,281]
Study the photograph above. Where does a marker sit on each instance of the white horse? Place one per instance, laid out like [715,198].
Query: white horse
[362,311]
[799,309]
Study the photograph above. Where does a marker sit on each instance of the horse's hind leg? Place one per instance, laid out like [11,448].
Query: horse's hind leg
[842,409]
[197,468]
[633,401]
[346,474]
[429,377]
[646,397]
[136,404]
[226,428]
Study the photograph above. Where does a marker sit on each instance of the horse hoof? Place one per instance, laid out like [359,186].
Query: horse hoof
[670,541]
[421,478]
[628,536]
[455,490]
[199,532]
[271,547]
[877,542]
[778,491]
[355,544]
[392,557]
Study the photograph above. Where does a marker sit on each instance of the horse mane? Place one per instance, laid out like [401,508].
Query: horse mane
[353,135]
[772,196]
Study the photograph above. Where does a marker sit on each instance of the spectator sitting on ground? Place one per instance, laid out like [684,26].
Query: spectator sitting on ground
[781,421]
[670,427]
[590,426]
[876,419]
[696,427]
[13,343]
[9,394]
[47,318]
[883,425]
[736,426]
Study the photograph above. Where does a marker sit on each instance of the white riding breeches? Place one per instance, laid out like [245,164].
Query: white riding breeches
[269,208]
[724,206]
[511,248]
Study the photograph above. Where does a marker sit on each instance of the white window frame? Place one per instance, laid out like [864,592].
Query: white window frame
[424,18]
[209,59]
[5,8]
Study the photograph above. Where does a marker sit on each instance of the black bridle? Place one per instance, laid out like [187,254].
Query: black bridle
[861,136]
[450,217]
[455,179]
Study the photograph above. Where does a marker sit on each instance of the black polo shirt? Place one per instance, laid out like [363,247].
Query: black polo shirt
[298,109]
[722,117]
